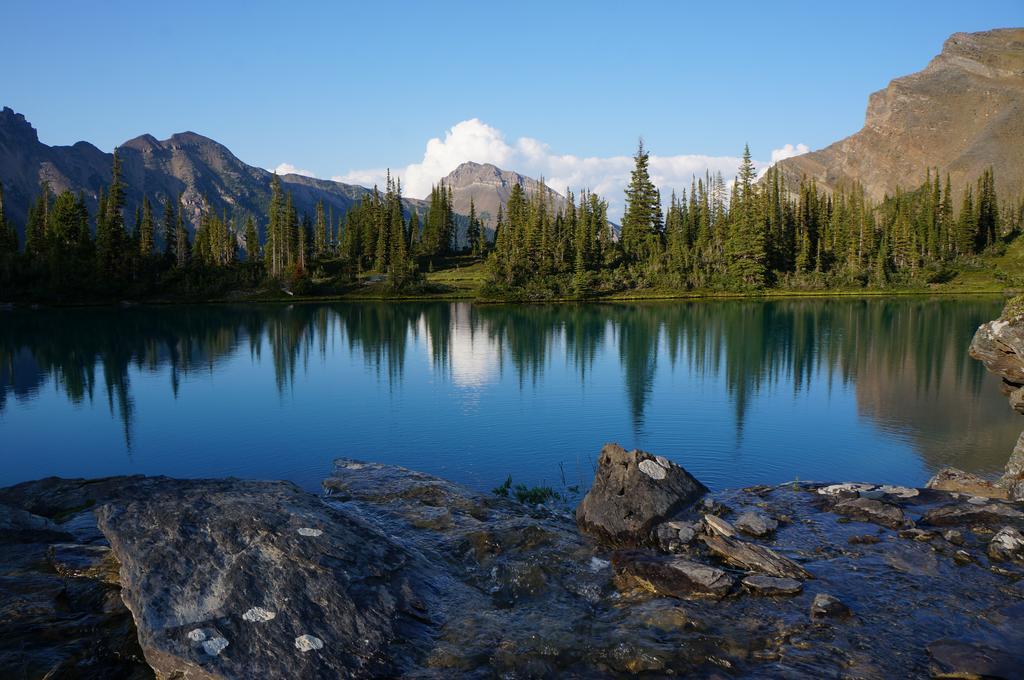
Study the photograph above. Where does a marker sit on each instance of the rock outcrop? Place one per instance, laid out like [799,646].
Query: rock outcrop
[276,583]
[962,114]
[632,492]
[999,345]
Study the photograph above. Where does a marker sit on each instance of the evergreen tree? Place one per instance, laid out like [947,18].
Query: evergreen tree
[746,244]
[111,238]
[641,223]
[8,235]
[473,229]
[146,229]
[170,222]
[36,245]
[320,237]
[182,248]
[252,240]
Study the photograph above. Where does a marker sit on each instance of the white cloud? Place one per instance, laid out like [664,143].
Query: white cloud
[289,169]
[474,140]
[788,151]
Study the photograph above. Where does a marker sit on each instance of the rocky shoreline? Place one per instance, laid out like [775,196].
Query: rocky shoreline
[394,573]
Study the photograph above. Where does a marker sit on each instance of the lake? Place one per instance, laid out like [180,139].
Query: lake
[739,392]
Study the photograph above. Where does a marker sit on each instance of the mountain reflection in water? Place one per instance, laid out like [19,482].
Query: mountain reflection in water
[738,391]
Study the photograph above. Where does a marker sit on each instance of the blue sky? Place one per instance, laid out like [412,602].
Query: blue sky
[344,90]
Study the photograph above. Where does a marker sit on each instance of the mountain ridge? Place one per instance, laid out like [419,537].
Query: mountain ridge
[198,167]
[962,113]
[186,163]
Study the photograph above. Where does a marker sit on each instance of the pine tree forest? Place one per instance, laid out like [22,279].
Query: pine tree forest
[747,235]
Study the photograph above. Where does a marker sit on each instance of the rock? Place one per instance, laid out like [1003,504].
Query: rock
[959,514]
[845,490]
[58,499]
[962,557]
[1016,399]
[826,606]
[754,557]
[673,536]
[1015,490]
[898,491]
[954,536]
[626,500]
[1006,545]
[958,481]
[499,589]
[716,526]
[219,555]
[20,526]
[60,615]
[761,584]
[756,523]
[961,659]
[921,535]
[870,510]
[912,559]
[71,560]
[1013,474]
[863,539]
[670,576]
[999,345]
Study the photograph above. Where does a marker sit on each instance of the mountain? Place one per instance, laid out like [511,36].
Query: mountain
[963,113]
[489,187]
[187,163]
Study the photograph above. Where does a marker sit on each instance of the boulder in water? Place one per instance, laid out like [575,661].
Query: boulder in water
[633,491]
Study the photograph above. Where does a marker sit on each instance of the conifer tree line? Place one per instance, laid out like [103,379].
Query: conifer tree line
[749,236]
[68,251]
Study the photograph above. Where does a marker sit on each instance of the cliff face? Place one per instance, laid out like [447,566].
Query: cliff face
[189,164]
[963,113]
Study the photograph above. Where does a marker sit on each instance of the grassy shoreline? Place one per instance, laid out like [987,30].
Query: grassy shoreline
[651,295]
[463,278]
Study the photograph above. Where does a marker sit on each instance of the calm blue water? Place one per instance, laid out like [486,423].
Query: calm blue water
[739,392]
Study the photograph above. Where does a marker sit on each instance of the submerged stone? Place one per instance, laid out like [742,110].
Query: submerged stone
[870,510]
[671,576]
[962,659]
[826,606]
[761,584]
[988,513]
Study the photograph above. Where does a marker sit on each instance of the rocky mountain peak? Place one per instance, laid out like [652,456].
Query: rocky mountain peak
[14,127]
[143,143]
[470,173]
[488,187]
[992,54]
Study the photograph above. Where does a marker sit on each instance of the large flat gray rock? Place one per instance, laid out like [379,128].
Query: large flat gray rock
[234,579]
